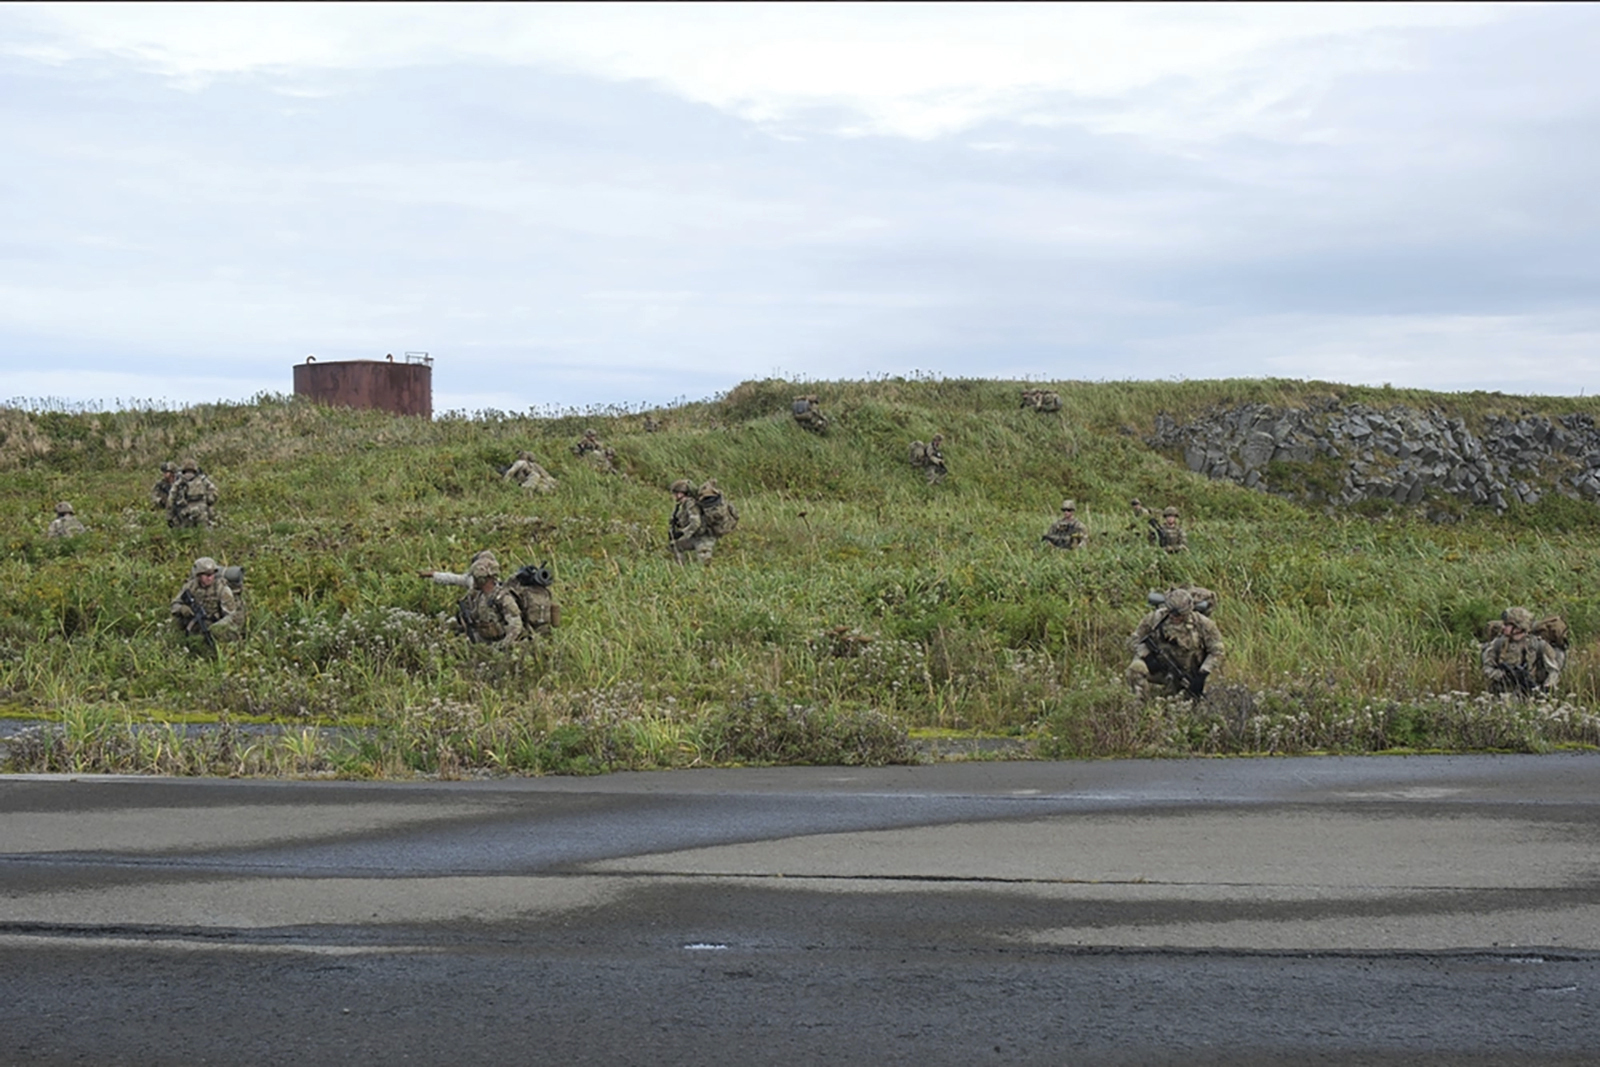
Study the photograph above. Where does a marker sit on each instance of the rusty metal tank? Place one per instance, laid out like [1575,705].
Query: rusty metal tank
[404,387]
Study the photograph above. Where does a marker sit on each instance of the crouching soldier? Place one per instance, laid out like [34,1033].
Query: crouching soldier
[1519,661]
[808,415]
[489,615]
[1175,648]
[207,606]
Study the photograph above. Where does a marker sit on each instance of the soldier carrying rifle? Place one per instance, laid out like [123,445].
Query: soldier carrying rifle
[1175,648]
[206,606]
[1523,658]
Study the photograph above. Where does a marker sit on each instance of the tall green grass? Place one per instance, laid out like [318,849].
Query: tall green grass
[851,588]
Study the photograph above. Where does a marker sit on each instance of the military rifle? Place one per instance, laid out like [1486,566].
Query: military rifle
[187,598]
[465,617]
[1193,684]
[1522,677]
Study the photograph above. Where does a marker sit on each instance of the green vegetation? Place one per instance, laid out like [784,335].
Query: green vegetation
[855,602]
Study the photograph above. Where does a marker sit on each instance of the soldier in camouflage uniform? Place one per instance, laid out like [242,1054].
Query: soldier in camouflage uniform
[1167,534]
[206,605]
[930,459]
[1067,532]
[1175,648]
[1518,661]
[1140,512]
[591,448]
[489,614]
[161,492]
[527,473]
[192,499]
[1041,400]
[686,530]
[65,524]
[807,414]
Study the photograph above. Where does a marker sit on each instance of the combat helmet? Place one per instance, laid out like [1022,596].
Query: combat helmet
[1169,510]
[1521,618]
[1179,601]
[189,466]
[63,508]
[205,565]
[484,567]
[1069,505]
[682,485]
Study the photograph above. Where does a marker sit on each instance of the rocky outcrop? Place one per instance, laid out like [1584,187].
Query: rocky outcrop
[1346,453]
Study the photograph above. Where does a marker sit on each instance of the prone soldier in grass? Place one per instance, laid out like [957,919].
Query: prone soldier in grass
[528,473]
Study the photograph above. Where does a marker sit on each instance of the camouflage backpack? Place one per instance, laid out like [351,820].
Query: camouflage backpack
[919,454]
[530,587]
[1205,601]
[718,515]
[1552,629]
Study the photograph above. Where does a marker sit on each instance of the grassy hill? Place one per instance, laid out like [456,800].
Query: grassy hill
[853,603]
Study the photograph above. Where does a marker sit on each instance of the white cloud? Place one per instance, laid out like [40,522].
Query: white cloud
[914,70]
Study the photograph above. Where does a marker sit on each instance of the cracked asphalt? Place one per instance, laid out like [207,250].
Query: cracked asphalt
[1375,910]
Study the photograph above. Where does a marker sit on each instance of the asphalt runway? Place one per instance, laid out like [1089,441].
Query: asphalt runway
[1436,910]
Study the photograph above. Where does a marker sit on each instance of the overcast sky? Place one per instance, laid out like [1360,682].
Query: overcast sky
[587,205]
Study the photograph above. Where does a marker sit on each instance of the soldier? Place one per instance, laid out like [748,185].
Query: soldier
[1167,534]
[930,459]
[161,491]
[1175,648]
[1140,512]
[1067,532]
[589,447]
[1042,400]
[1518,661]
[206,605]
[527,473]
[808,414]
[65,524]
[686,531]
[192,498]
[490,614]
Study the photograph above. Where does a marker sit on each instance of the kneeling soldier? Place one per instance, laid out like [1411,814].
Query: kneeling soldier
[489,614]
[206,605]
[1516,660]
[1174,648]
